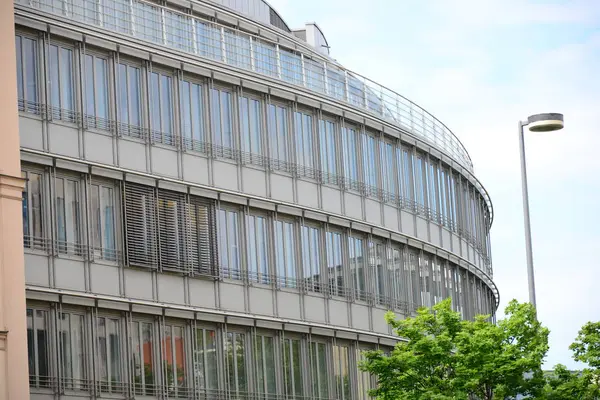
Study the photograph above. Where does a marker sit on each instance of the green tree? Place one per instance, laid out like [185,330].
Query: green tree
[443,357]
[584,384]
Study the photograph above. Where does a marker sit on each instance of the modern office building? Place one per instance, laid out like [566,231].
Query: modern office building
[214,208]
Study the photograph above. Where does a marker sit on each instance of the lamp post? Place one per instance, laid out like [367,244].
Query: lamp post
[535,123]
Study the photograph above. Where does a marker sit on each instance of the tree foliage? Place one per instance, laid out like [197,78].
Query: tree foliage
[584,384]
[443,357]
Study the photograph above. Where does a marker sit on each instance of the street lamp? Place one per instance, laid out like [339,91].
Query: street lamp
[535,123]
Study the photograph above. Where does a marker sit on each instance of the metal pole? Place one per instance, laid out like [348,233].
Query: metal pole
[528,249]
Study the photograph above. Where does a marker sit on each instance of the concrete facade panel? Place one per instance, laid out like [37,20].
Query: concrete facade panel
[63,139]
[31,133]
[105,279]
[99,148]
[69,274]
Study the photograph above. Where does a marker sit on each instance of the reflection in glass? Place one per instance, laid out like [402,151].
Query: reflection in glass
[72,350]
[38,347]
[318,368]
[142,357]
[109,355]
[257,250]
[174,359]
[205,360]
[229,250]
[235,348]
[311,258]
[335,267]
[341,373]
[292,365]
[67,216]
[285,253]
[265,364]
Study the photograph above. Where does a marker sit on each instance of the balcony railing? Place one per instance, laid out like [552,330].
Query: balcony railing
[190,34]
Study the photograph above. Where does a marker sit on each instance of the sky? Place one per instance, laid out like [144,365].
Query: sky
[480,66]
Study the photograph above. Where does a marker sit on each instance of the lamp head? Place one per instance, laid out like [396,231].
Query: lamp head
[547,122]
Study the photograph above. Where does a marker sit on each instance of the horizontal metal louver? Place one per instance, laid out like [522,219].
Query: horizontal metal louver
[172,230]
[141,225]
[202,236]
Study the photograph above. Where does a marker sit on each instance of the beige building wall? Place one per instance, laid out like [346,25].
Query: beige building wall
[14,381]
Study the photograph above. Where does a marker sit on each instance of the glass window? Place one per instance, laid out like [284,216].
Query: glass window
[72,351]
[442,180]
[291,66]
[96,92]
[237,49]
[142,357]
[425,281]
[62,91]
[33,228]
[328,151]
[305,153]
[311,258]
[314,75]
[318,367]
[148,24]
[103,222]
[235,349]
[250,127]
[419,170]
[357,267]
[161,100]
[27,74]
[365,381]
[257,249]
[174,359]
[286,253]
[68,221]
[293,371]
[394,277]
[350,158]
[129,115]
[369,151]
[265,58]
[38,348]
[278,136]
[229,248]
[264,355]
[376,265]
[336,82]
[335,266]
[117,15]
[407,178]
[205,360]
[356,91]
[452,185]
[341,372]
[208,40]
[178,31]
[192,116]
[222,122]
[388,172]
[108,344]
[432,189]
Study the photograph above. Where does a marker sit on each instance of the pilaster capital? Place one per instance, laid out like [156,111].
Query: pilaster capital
[11,187]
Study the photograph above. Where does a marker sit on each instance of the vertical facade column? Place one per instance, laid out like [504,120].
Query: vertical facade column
[14,380]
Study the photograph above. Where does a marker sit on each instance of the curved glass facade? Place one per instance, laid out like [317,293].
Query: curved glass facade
[230,229]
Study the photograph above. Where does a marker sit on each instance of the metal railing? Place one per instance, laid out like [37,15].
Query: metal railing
[190,34]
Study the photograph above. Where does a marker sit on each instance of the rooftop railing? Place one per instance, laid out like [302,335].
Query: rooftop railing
[183,32]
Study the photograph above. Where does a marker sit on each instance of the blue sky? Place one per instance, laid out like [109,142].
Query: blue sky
[480,66]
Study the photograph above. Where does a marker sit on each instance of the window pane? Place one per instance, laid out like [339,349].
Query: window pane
[142,357]
[38,348]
